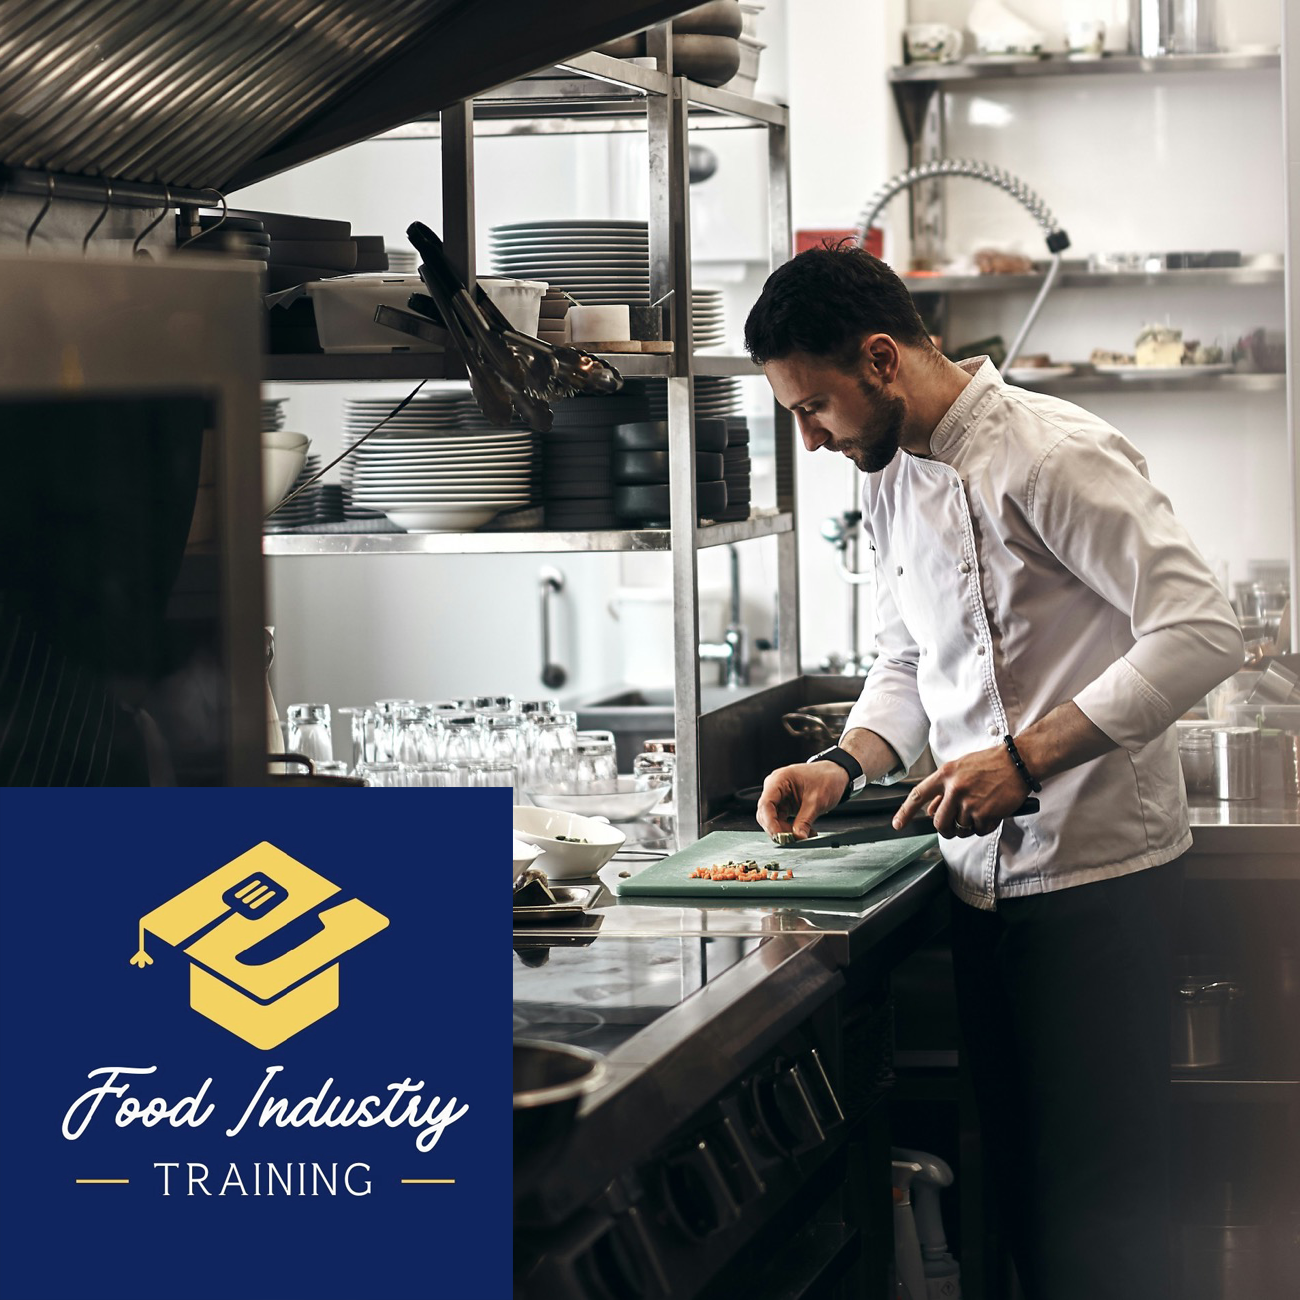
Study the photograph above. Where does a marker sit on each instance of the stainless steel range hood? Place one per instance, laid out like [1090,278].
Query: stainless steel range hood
[221,93]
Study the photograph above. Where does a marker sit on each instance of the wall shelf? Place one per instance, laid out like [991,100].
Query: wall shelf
[968,71]
[505,543]
[1069,385]
[338,368]
[1214,277]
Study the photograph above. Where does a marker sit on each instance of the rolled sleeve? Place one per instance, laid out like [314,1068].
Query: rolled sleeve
[890,703]
[1102,518]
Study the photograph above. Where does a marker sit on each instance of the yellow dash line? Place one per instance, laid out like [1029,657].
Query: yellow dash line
[428,1180]
[102,1180]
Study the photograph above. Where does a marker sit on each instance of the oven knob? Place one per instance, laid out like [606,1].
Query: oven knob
[696,1194]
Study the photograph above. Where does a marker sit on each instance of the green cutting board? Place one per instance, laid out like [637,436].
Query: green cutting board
[847,872]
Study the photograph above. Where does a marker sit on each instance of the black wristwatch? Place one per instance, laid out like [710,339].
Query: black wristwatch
[842,758]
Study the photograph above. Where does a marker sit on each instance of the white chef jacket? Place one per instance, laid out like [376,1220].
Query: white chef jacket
[1026,562]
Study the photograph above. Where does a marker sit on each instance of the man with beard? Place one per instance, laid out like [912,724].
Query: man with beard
[1042,620]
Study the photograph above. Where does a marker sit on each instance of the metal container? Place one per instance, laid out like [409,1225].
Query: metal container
[1196,755]
[1236,762]
[1204,1028]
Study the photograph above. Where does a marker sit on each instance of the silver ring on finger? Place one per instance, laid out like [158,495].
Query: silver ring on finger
[964,830]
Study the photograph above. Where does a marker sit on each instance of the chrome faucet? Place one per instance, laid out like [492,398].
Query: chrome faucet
[733,650]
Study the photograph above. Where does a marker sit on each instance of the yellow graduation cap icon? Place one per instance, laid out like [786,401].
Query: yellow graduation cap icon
[228,913]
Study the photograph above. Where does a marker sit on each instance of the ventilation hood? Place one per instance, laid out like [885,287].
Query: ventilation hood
[222,93]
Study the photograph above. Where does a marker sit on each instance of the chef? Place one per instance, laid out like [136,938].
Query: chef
[1042,621]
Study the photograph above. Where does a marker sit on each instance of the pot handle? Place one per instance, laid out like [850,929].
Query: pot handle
[804,727]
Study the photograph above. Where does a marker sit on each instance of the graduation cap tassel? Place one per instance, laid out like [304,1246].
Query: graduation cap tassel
[141,958]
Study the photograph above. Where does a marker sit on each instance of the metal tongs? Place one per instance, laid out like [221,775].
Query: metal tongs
[507,370]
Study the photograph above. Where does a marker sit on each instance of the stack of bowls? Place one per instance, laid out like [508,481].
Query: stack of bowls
[283,456]
[641,471]
[577,460]
[736,469]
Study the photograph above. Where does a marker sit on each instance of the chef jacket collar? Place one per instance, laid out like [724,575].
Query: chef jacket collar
[966,411]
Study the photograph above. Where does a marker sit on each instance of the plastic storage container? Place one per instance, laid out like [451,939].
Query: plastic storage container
[519,301]
[345,313]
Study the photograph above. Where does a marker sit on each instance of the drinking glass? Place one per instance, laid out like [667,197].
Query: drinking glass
[433,774]
[551,762]
[386,774]
[504,739]
[492,773]
[384,726]
[460,737]
[335,767]
[309,731]
[596,766]
[414,738]
[361,735]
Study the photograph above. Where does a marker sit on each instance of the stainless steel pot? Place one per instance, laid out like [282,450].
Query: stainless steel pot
[549,1082]
[818,724]
[1204,1028]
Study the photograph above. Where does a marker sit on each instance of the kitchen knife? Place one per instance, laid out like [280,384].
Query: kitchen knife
[839,839]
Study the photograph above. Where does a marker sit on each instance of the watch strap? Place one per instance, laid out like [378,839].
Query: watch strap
[842,758]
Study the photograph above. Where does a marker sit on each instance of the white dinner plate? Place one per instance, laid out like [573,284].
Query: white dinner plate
[1164,372]
[1036,374]
[572,223]
[454,520]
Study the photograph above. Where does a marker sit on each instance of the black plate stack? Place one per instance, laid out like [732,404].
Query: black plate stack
[641,471]
[736,467]
[577,459]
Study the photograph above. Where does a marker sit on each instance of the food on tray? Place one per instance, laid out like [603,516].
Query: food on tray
[1104,357]
[745,871]
[1261,351]
[1033,361]
[1159,345]
[992,261]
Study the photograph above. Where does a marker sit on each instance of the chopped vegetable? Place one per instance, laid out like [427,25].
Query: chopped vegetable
[745,872]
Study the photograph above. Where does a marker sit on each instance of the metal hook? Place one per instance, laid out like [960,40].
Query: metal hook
[103,212]
[216,226]
[45,207]
[136,250]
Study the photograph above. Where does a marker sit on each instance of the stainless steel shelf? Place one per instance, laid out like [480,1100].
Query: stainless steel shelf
[542,543]
[347,367]
[954,75]
[1213,277]
[1231,383]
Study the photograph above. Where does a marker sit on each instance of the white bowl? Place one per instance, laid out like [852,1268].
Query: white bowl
[280,468]
[524,855]
[566,859]
[284,438]
[624,804]
[443,519]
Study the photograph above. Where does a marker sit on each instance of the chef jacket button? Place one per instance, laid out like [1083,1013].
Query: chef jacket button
[900,570]
[979,649]
[963,567]
[924,651]
[993,728]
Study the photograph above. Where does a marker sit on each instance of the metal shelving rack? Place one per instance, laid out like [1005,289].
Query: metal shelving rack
[593,92]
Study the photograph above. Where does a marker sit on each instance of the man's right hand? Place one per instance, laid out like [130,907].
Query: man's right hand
[794,797]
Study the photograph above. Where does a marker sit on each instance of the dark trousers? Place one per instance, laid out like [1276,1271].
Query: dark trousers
[1064,1004]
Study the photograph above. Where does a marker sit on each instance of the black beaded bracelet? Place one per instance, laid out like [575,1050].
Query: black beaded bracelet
[1020,764]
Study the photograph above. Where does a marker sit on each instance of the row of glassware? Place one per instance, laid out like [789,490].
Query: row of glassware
[480,740]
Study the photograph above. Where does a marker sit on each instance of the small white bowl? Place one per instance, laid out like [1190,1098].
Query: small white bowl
[565,859]
[284,438]
[524,855]
[280,469]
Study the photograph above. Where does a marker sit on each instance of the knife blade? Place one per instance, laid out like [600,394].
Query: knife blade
[786,839]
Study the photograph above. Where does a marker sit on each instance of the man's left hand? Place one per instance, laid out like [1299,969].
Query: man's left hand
[972,795]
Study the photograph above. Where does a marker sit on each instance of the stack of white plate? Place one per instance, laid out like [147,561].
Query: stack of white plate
[303,508]
[428,413]
[428,472]
[595,262]
[714,396]
[272,414]
[708,321]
